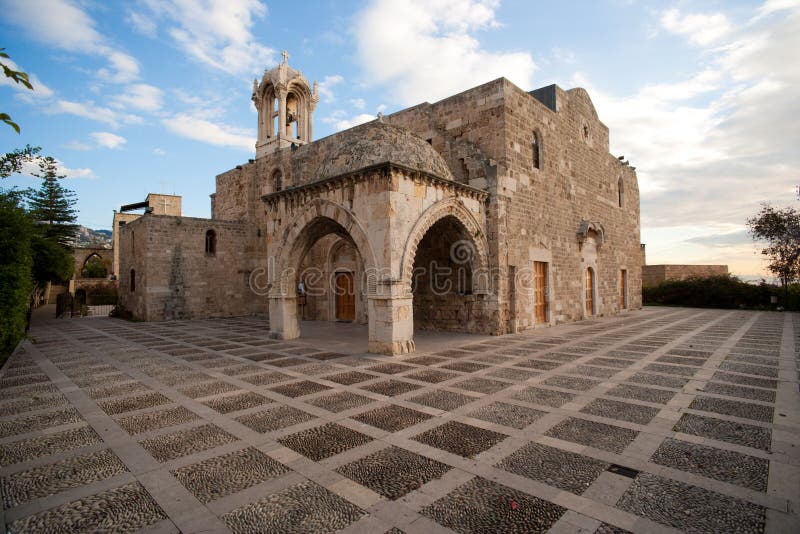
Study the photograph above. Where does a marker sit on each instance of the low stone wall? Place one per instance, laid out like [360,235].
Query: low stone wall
[652,275]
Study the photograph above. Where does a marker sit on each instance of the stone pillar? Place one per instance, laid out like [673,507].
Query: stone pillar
[391,321]
[282,132]
[283,321]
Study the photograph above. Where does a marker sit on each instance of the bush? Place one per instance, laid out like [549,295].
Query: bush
[720,292]
[15,272]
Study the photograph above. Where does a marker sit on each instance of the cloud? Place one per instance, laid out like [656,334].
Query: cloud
[140,96]
[89,110]
[216,33]
[200,129]
[159,152]
[30,167]
[427,49]
[701,29]
[710,147]
[141,23]
[108,139]
[40,90]
[64,25]
[339,121]
[325,87]
[358,103]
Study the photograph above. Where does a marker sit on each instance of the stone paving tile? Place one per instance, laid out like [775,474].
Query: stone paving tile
[542,365]
[391,388]
[489,358]
[393,472]
[326,356]
[465,367]
[434,376]
[571,382]
[288,362]
[129,404]
[609,362]
[507,414]
[339,402]
[425,360]
[36,390]
[599,435]
[349,378]
[28,449]
[207,389]
[623,411]
[184,442]
[324,441]
[759,360]
[690,508]
[60,476]
[227,474]
[732,390]
[390,368]
[315,369]
[629,391]
[104,380]
[442,399]
[481,385]
[745,380]
[265,379]
[128,508]
[555,467]
[31,423]
[264,357]
[748,369]
[392,418]
[546,397]
[116,390]
[513,373]
[605,528]
[659,380]
[236,402]
[745,410]
[303,508]
[239,370]
[481,505]
[727,466]
[274,419]
[721,430]
[590,370]
[31,403]
[459,438]
[299,389]
[680,370]
[136,424]
[22,380]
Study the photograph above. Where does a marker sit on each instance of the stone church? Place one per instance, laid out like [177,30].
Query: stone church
[491,211]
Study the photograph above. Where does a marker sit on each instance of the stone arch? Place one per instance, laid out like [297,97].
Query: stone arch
[319,215]
[451,207]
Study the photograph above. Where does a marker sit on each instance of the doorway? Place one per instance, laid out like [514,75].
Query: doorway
[345,297]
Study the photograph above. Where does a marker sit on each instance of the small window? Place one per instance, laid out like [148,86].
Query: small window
[623,289]
[536,146]
[211,243]
[621,193]
[277,181]
[133,280]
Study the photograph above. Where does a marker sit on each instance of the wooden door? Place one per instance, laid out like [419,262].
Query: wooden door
[540,291]
[589,291]
[345,297]
[623,289]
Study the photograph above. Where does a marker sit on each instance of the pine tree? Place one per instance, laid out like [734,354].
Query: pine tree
[52,205]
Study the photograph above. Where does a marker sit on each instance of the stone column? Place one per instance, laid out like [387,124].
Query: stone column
[283,321]
[282,132]
[391,320]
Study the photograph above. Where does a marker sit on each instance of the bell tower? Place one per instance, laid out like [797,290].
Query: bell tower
[285,103]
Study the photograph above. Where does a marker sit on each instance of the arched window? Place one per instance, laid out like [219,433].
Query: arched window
[277,180]
[536,146]
[621,193]
[211,243]
[133,280]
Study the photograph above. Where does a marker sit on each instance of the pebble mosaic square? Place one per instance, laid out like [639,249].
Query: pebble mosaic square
[324,441]
[459,438]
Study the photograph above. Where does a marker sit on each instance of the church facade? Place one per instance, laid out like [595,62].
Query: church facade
[491,211]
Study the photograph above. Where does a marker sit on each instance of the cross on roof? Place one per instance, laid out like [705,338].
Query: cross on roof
[285,55]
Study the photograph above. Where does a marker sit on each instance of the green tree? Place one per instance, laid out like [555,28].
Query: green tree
[16,263]
[19,77]
[11,163]
[52,205]
[779,229]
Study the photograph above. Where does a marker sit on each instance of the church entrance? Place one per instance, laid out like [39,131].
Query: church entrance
[345,297]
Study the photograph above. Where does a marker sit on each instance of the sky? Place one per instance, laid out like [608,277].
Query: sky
[154,95]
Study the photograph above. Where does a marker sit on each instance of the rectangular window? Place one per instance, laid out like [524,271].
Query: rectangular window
[540,291]
[623,289]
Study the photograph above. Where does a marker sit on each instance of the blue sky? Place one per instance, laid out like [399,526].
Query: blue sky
[154,95]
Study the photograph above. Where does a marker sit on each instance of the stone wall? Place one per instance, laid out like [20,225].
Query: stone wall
[652,275]
[174,276]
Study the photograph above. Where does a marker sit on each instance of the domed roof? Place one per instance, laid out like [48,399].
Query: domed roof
[378,142]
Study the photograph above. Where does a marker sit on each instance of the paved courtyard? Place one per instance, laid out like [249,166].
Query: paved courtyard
[663,420]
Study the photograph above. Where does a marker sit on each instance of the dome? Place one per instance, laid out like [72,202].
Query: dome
[378,142]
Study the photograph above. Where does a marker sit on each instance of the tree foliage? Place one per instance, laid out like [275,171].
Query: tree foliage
[52,205]
[11,163]
[19,77]
[779,229]
[16,264]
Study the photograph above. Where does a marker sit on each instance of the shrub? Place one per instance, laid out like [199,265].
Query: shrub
[719,292]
